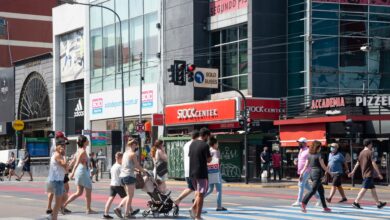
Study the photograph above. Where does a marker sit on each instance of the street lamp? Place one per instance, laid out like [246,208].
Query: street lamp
[123,129]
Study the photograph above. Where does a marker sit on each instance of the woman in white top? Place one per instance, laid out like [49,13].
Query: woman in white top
[57,170]
[158,153]
[127,176]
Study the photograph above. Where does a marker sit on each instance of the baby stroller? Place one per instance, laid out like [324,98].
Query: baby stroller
[159,203]
[2,171]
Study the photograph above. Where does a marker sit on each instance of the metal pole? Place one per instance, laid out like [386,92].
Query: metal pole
[245,132]
[350,146]
[140,101]
[123,127]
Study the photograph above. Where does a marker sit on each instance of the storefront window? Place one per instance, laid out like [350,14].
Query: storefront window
[74,96]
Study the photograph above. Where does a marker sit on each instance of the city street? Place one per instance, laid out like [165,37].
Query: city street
[27,200]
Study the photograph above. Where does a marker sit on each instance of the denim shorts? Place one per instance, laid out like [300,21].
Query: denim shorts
[57,187]
[189,184]
[128,180]
[368,183]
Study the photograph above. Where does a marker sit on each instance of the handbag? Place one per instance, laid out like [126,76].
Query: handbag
[139,181]
[161,168]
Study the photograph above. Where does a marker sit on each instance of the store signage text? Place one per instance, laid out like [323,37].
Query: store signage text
[79,111]
[193,113]
[333,102]
[361,2]
[223,6]
[262,109]
[373,101]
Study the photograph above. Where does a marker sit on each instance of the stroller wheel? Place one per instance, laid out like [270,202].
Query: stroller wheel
[145,213]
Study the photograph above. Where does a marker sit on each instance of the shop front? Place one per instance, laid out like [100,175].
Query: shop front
[345,120]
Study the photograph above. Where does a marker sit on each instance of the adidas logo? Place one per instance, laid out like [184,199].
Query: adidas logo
[78,111]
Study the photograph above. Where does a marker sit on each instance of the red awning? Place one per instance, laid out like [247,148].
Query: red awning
[289,134]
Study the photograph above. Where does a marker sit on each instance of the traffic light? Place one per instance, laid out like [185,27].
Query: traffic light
[190,72]
[248,124]
[348,127]
[180,67]
[172,76]
[241,121]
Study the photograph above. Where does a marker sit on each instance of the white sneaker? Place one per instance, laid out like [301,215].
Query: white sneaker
[318,204]
[296,204]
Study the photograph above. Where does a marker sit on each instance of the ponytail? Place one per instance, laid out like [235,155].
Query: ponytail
[81,140]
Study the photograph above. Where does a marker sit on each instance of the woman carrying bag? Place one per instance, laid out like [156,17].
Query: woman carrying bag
[160,159]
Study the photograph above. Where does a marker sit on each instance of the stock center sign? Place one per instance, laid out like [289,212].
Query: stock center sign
[206,78]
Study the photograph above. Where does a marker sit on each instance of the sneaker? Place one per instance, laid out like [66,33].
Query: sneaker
[118,212]
[222,209]
[328,200]
[49,211]
[343,200]
[318,204]
[327,210]
[356,205]
[191,213]
[134,212]
[107,217]
[296,204]
[381,205]
[129,216]
[303,208]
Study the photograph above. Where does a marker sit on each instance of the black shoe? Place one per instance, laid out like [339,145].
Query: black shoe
[107,217]
[135,212]
[343,200]
[381,205]
[222,209]
[356,205]
[118,212]
[49,211]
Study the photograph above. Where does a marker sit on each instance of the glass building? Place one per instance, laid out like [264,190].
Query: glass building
[139,35]
[338,46]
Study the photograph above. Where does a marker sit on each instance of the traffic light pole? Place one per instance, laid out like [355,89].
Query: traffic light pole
[245,131]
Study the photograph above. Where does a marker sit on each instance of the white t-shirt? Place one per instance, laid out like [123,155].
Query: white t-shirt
[213,167]
[186,158]
[115,171]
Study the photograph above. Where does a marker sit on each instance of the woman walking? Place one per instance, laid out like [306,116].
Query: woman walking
[57,170]
[82,175]
[160,156]
[11,167]
[335,166]
[127,176]
[316,163]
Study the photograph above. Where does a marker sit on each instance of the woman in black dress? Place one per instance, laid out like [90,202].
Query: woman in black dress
[317,165]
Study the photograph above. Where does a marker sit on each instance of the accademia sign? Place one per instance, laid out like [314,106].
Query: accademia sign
[333,102]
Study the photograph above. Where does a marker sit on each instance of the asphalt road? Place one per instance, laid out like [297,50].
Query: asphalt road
[27,200]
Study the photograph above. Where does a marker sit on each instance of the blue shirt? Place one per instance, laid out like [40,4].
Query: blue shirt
[336,162]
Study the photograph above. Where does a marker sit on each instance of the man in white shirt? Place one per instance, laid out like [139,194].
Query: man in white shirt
[186,159]
[115,188]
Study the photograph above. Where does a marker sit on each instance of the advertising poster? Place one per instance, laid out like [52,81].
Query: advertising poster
[72,56]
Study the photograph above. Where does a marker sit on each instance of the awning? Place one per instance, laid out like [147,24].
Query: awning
[289,134]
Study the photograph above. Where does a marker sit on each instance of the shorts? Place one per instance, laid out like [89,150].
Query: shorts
[128,180]
[56,187]
[368,183]
[189,184]
[201,185]
[26,168]
[66,178]
[120,190]
[336,179]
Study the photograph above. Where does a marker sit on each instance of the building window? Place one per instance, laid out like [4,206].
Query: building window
[229,53]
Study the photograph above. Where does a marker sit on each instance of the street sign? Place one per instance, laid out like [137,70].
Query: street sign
[140,127]
[206,78]
[18,125]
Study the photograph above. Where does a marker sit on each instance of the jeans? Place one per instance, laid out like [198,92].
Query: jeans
[219,193]
[316,176]
[278,170]
[304,184]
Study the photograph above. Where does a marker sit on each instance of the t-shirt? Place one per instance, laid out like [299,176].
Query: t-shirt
[115,172]
[213,167]
[266,156]
[27,158]
[276,159]
[93,162]
[199,153]
[365,161]
[336,162]
[186,150]
[302,158]
[314,161]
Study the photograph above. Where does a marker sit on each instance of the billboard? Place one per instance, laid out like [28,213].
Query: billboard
[7,96]
[72,56]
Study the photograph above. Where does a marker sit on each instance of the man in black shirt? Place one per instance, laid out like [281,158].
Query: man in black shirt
[26,164]
[199,157]
[265,158]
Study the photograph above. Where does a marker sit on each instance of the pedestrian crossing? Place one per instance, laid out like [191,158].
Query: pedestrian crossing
[344,212]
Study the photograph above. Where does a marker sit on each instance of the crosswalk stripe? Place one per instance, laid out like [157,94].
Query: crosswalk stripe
[384,211]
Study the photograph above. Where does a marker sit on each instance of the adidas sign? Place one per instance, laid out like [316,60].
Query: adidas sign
[78,111]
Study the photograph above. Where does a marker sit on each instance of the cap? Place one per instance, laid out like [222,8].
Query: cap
[61,141]
[60,134]
[302,140]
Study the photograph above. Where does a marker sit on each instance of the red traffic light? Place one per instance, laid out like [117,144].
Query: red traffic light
[191,67]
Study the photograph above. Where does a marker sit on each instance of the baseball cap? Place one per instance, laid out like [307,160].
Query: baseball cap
[302,140]
[61,135]
[61,141]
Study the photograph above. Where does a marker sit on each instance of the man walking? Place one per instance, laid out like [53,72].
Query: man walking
[265,158]
[368,167]
[26,164]
[186,150]
[199,157]
[336,162]
[303,182]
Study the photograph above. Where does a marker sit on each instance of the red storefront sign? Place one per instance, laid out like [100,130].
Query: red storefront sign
[361,2]
[289,134]
[201,112]
[262,109]
[230,125]
[158,119]
[218,7]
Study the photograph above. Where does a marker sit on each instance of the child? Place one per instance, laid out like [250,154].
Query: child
[214,173]
[115,188]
